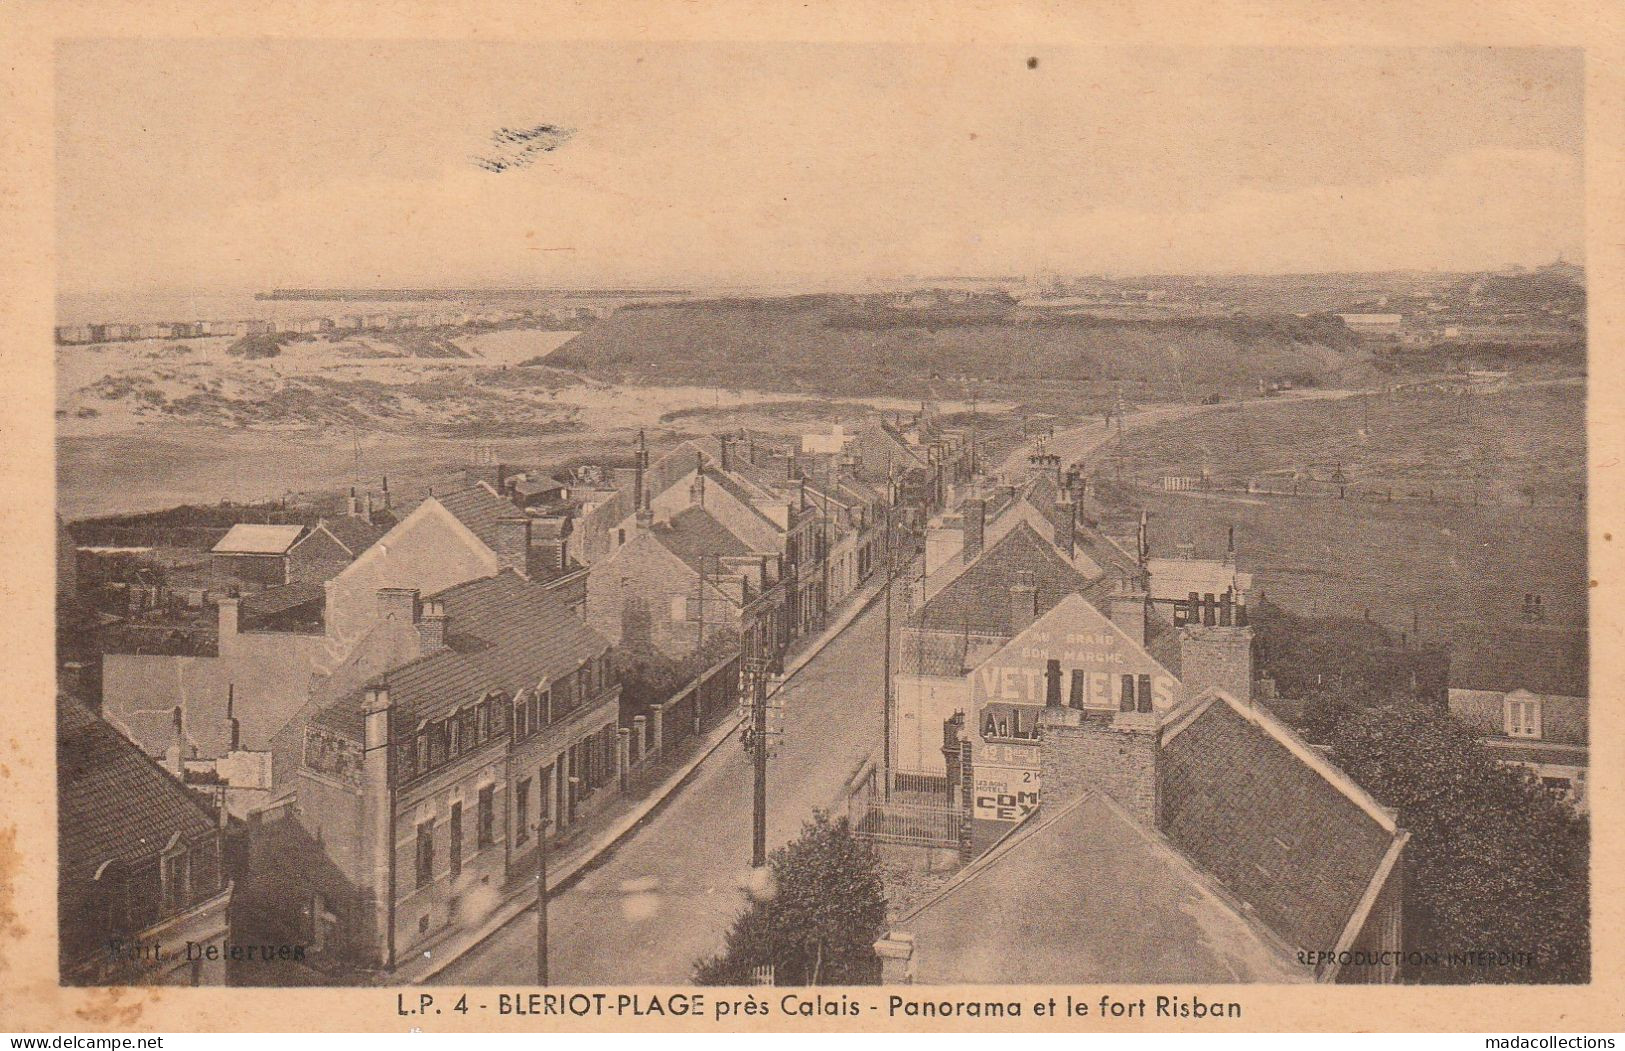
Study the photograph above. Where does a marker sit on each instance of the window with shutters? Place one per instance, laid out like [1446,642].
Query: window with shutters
[425,865]
[521,812]
[487,816]
[1522,717]
[455,831]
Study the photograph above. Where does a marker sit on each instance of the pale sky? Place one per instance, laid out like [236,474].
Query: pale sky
[255,164]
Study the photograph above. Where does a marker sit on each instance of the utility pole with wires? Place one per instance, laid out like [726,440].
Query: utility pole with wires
[891,501]
[699,612]
[756,688]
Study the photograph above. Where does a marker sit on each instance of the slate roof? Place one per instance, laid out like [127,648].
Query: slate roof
[503,633]
[356,534]
[1279,827]
[480,509]
[1082,894]
[943,654]
[272,601]
[1541,658]
[978,600]
[693,533]
[115,803]
[247,538]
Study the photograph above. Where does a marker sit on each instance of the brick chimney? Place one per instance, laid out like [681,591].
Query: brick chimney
[1023,602]
[1118,754]
[175,756]
[696,492]
[432,627]
[724,442]
[1128,610]
[513,542]
[1066,522]
[1217,655]
[378,833]
[352,506]
[975,528]
[398,604]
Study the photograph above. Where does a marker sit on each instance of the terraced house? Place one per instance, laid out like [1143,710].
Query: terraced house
[421,790]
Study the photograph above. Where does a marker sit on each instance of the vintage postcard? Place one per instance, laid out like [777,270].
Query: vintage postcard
[854,520]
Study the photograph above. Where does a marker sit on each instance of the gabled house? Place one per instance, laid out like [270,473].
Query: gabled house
[1206,844]
[260,556]
[653,593]
[1523,687]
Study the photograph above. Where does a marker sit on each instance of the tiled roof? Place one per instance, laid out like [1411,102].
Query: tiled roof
[246,538]
[272,601]
[1541,658]
[978,600]
[356,534]
[692,534]
[114,802]
[1298,848]
[732,487]
[480,509]
[1082,894]
[503,633]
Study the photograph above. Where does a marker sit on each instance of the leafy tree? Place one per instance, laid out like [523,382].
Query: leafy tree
[1495,862]
[817,923]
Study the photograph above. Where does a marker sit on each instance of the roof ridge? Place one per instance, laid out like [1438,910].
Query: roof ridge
[1289,739]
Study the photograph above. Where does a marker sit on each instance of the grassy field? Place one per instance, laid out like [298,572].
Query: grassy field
[844,346]
[1509,447]
[1445,565]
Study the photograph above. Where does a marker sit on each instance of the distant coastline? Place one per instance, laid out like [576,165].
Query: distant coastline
[390,295]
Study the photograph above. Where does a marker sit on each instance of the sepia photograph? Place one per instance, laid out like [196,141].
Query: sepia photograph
[807,514]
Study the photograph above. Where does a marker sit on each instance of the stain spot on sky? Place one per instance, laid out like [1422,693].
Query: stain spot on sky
[513,148]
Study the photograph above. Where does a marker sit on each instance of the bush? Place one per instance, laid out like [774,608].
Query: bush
[817,922]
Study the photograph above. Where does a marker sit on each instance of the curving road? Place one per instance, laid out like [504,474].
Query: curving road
[666,896]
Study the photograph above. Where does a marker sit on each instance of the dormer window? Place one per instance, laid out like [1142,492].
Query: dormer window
[1522,715]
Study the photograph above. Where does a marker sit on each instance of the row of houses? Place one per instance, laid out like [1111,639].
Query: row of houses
[1076,709]
[399,705]
[1078,725]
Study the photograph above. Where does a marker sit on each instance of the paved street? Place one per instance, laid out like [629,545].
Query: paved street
[665,897]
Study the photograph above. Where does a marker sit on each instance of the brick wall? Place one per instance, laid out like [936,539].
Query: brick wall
[1217,657]
[1116,754]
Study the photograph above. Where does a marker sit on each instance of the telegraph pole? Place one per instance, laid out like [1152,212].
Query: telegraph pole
[758,713]
[700,611]
[891,498]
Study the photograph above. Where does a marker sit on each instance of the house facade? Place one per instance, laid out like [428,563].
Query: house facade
[427,787]
[142,899]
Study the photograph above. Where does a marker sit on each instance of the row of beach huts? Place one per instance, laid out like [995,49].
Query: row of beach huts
[115,333]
